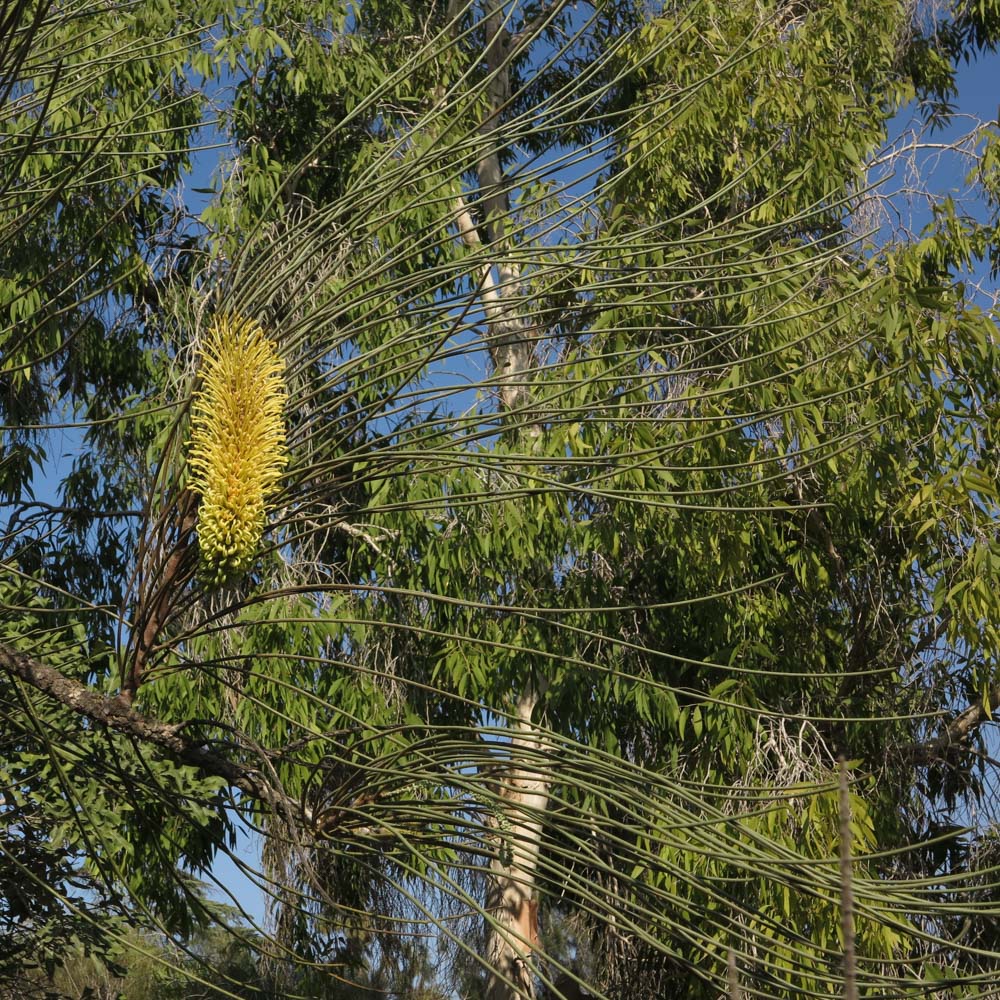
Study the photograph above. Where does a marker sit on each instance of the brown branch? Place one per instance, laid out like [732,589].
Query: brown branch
[117,714]
[929,636]
[817,521]
[955,733]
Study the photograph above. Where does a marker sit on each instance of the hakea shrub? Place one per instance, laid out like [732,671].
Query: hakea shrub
[237,451]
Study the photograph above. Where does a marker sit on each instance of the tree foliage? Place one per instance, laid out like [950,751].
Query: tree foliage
[625,613]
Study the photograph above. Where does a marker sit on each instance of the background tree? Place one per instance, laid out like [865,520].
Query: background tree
[630,482]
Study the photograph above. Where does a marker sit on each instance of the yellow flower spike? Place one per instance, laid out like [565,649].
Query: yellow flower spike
[237,450]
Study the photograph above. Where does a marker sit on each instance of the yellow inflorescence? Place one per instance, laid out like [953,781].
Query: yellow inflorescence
[237,450]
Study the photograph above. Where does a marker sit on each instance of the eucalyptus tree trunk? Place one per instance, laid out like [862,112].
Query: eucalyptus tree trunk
[512,893]
[509,334]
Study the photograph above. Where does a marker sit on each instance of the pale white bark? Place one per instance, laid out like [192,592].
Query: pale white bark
[509,334]
[512,898]
[512,893]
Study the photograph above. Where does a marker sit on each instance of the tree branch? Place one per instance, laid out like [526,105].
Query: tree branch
[955,733]
[168,738]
